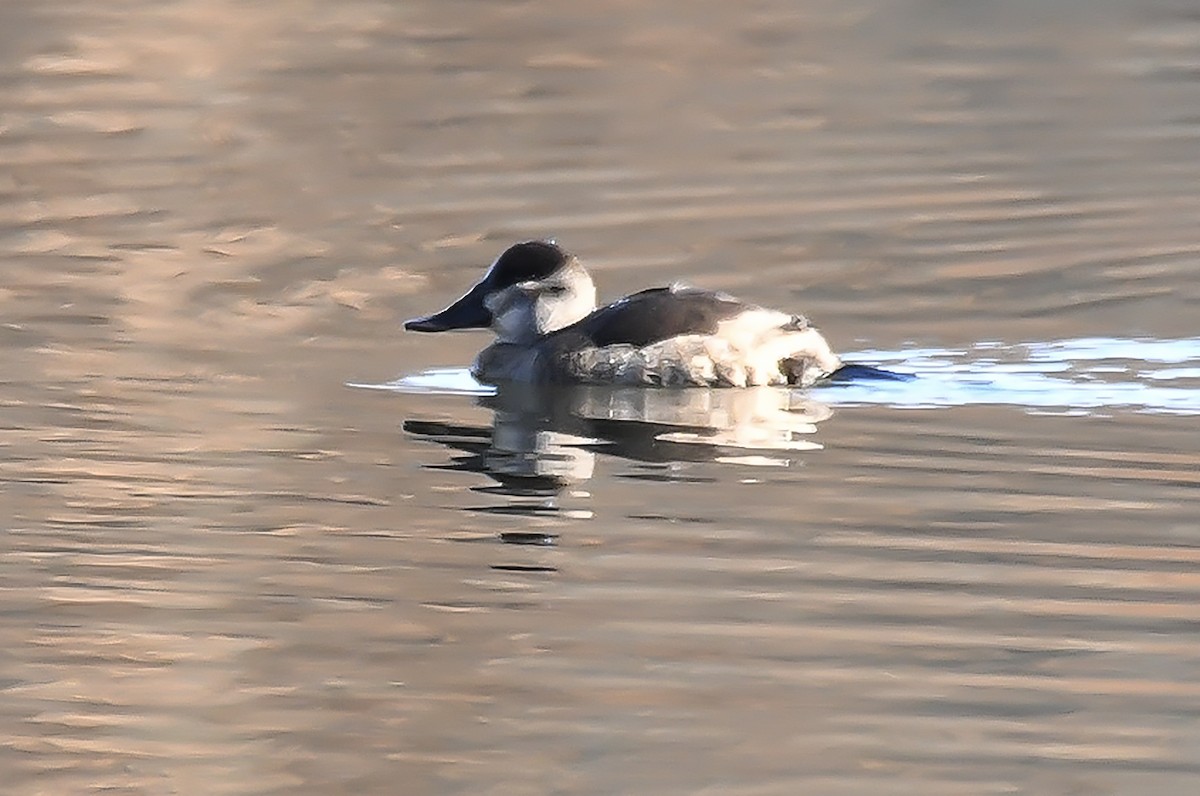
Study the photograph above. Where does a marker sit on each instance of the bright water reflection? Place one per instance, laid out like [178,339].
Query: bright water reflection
[543,440]
[1083,376]
[1096,376]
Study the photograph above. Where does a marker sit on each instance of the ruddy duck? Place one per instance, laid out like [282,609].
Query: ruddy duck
[541,304]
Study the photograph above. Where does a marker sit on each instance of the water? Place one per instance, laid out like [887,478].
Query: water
[228,568]
[1089,376]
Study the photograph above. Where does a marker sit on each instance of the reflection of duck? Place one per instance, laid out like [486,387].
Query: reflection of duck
[544,439]
[541,304]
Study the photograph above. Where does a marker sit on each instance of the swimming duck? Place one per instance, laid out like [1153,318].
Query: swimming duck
[541,303]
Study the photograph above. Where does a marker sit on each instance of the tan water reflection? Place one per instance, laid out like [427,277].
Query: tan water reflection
[226,572]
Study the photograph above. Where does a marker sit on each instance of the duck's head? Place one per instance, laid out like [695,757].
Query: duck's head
[532,289]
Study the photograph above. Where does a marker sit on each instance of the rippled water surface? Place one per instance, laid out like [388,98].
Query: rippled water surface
[229,568]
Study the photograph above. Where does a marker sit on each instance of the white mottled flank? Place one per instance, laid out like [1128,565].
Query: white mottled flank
[745,351]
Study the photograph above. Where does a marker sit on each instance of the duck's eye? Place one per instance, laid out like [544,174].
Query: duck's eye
[554,290]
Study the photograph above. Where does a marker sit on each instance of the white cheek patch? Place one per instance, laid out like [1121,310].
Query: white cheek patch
[528,310]
[553,312]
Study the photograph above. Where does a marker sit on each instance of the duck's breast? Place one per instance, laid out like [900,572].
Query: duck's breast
[502,363]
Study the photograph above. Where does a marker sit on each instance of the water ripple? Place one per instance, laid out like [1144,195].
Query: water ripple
[1085,376]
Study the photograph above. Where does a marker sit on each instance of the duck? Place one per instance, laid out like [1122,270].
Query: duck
[540,302]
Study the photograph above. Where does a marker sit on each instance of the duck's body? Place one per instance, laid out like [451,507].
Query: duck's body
[542,305]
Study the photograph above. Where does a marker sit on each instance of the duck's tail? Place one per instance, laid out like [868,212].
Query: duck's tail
[854,372]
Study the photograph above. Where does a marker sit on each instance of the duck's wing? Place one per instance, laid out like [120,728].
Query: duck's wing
[658,314]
